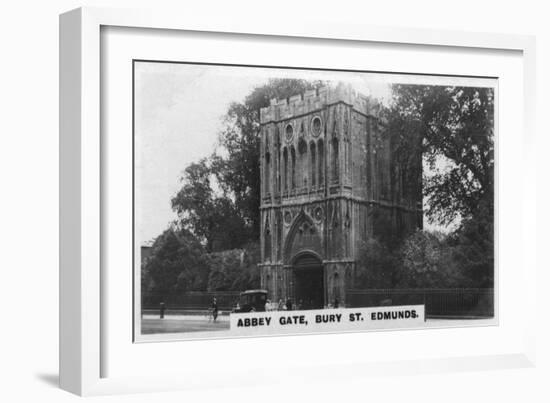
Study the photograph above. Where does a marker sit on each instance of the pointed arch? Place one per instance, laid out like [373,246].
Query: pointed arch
[302,236]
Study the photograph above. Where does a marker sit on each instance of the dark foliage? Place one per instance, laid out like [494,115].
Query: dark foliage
[455,126]
[177,263]
[234,270]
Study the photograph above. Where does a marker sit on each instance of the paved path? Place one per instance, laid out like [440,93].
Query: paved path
[151,324]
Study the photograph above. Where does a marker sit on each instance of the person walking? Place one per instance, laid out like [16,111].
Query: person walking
[214,308]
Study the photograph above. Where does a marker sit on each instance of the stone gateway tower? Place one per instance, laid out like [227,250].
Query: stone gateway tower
[330,178]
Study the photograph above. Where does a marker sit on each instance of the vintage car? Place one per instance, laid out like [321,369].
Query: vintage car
[251,301]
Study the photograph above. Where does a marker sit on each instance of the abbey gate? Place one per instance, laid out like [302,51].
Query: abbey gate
[330,179]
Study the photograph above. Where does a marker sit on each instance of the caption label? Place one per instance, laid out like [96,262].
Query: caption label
[344,319]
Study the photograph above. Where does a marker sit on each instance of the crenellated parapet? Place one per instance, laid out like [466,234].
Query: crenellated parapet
[313,100]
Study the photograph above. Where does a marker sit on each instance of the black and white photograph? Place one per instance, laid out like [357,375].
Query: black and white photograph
[272,200]
[234,201]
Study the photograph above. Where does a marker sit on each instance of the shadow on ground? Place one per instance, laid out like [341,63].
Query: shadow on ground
[49,379]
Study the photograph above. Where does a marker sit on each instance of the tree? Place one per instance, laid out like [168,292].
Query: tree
[375,265]
[177,263]
[236,164]
[211,217]
[473,247]
[427,261]
[455,125]
[453,129]
[234,270]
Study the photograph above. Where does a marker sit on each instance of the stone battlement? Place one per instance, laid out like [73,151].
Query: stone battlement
[312,100]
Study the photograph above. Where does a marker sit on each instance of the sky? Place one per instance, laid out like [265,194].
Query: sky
[178,116]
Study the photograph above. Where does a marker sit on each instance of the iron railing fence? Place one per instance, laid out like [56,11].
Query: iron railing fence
[191,300]
[455,302]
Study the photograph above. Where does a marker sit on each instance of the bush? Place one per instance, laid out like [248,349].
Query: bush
[428,261]
[375,266]
[177,263]
[234,270]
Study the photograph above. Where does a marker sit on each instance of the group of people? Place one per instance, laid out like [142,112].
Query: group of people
[282,305]
[287,305]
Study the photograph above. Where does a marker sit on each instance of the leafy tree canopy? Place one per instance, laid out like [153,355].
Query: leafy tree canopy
[235,270]
[455,128]
[177,263]
[236,162]
[427,261]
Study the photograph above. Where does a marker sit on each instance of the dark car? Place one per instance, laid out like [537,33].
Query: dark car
[251,301]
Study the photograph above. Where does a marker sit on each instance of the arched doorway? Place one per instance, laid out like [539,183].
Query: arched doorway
[309,287]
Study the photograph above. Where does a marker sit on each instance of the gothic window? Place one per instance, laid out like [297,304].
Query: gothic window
[313,166]
[285,169]
[267,172]
[335,159]
[346,157]
[267,241]
[279,234]
[293,168]
[321,154]
[277,171]
[335,217]
[277,162]
[302,167]
[277,137]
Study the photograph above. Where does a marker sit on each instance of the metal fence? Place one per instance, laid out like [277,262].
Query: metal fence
[449,303]
[192,300]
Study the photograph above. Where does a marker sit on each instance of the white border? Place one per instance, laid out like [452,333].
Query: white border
[80,258]
[120,46]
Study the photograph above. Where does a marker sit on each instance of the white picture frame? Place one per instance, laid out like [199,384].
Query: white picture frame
[82,299]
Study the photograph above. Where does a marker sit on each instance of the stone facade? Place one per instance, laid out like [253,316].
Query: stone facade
[329,180]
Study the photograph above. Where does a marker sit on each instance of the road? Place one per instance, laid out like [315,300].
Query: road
[182,323]
[152,324]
